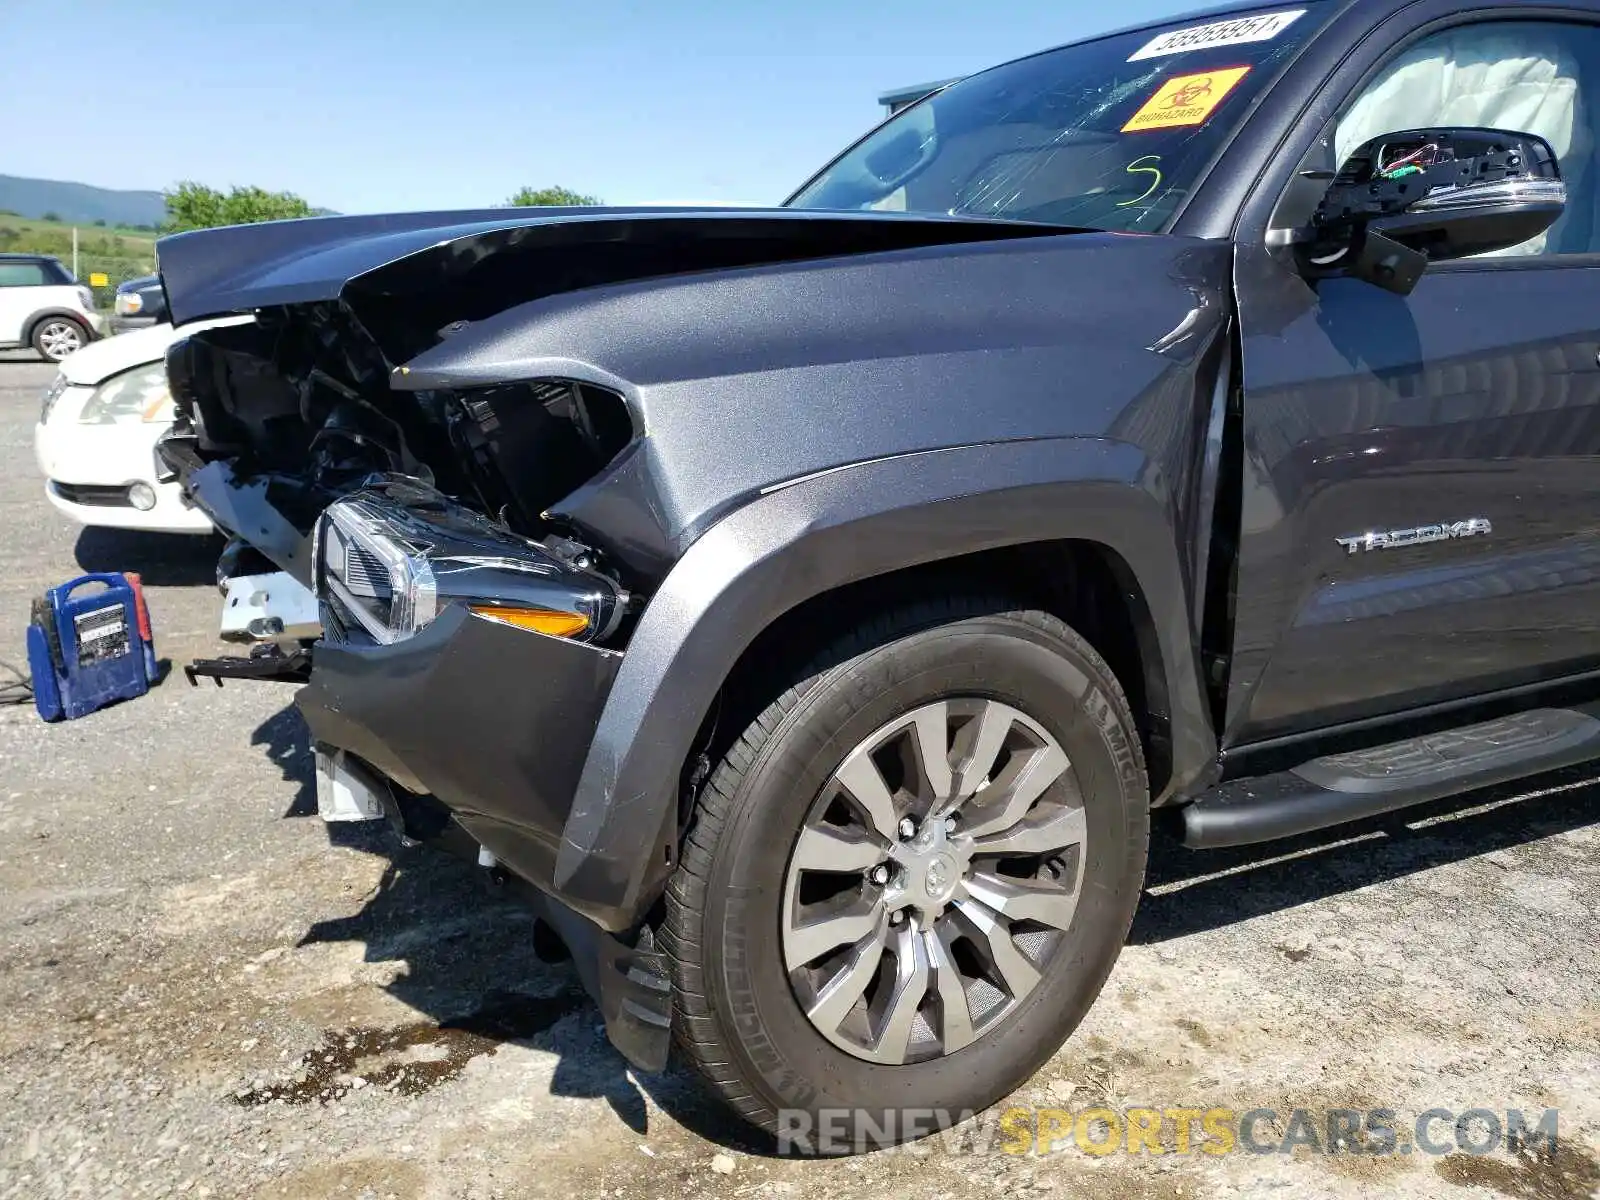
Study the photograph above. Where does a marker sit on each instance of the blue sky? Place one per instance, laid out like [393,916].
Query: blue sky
[389,106]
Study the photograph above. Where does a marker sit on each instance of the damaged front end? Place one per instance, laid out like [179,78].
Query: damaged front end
[460,660]
[440,427]
[269,433]
[468,643]
[468,640]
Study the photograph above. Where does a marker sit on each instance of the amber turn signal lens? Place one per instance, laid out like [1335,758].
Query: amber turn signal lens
[540,620]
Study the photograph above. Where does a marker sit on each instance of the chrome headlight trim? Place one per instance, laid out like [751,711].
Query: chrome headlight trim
[390,558]
[379,577]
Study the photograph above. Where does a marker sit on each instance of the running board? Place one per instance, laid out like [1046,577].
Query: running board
[1365,783]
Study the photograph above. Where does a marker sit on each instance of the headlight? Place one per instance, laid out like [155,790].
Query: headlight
[392,556]
[128,303]
[137,395]
[51,395]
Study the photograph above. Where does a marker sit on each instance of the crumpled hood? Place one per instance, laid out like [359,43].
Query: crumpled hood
[629,377]
[244,267]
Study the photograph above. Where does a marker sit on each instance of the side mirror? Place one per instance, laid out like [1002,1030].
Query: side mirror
[1407,199]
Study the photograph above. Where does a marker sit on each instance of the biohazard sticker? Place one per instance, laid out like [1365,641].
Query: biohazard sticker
[1262,27]
[1186,100]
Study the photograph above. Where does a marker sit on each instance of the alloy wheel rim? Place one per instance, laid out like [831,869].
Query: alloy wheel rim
[59,339]
[933,880]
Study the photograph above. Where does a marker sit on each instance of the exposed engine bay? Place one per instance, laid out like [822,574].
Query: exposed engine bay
[287,401]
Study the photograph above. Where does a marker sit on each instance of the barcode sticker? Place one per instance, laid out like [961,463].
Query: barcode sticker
[1262,27]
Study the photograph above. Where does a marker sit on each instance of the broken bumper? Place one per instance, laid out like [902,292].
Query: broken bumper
[493,721]
[491,725]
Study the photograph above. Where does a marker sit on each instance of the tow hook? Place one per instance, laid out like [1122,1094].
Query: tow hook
[268,662]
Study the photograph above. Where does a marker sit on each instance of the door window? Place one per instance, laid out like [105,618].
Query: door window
[22,274]
[1539,77]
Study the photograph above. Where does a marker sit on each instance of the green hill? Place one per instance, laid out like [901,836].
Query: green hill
[118,254]
[79,203]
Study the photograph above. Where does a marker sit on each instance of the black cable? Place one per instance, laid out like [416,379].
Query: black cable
[18,690]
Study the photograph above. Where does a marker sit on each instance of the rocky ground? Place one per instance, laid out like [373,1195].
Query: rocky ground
[208,993]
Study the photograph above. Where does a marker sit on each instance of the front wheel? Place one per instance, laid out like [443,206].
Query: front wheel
[908,879]
[56,337]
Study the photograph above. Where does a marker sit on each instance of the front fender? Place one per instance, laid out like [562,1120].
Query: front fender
[799,540]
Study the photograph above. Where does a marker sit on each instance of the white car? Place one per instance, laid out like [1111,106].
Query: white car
[43,306]
[97,433]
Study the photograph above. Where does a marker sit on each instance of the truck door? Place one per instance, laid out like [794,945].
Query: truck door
[1421,516]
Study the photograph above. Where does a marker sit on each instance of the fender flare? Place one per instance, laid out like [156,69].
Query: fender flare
[820,532]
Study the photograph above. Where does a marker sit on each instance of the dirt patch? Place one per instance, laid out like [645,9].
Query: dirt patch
[356,1177]
[1375,1171]
[1568,1173]
[410,1059]
[190,909]
[1198,1033]
[348,1006]
[1116,1184]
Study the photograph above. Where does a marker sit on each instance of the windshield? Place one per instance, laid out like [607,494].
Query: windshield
[1109,134]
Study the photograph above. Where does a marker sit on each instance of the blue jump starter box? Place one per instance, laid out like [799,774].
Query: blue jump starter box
[89,645]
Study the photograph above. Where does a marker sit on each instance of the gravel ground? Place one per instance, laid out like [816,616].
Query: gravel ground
[210,994]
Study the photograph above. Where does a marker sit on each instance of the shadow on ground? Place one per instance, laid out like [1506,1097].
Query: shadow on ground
[1185,894]
[471,969]
[159,559]
[287,742]
[473,973]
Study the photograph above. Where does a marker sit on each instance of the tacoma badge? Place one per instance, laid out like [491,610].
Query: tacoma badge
[1393,539]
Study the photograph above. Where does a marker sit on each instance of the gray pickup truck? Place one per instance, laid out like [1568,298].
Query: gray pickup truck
[814,608]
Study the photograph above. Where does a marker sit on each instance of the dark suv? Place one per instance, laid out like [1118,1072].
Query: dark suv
[138,304]
[813,608]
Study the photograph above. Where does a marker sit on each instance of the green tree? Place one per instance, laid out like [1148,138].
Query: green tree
[247,205]
[193,205]
[101,223]
[536,197]
[51,216]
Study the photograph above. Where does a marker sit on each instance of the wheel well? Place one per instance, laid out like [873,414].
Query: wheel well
[1085,584]
[33,322]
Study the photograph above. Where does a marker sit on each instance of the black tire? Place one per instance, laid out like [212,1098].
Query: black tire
[43,344]
[736,1018]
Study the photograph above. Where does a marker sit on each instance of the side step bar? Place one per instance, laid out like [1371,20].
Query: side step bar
[1365,783]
